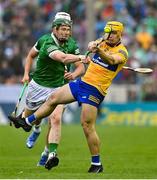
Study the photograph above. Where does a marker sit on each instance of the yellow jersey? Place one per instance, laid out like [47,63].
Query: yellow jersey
[100,74]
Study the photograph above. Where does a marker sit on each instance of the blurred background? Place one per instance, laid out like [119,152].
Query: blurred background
[132,97]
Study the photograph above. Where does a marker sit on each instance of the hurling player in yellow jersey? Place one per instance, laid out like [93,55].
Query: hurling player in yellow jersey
[109,58]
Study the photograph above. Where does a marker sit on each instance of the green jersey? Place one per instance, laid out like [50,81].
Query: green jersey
[48,72]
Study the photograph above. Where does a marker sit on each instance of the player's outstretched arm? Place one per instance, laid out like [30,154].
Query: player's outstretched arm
[65,58]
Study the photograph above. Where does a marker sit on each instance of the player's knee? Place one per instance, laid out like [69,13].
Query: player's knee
[87,126]
[85,123]
[52,100]
[86,120]
[55,119]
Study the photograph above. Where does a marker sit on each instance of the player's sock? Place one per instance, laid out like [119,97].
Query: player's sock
[44,157]
[96,160]
[30,119]
[53,147]
[46,151]
[37,128]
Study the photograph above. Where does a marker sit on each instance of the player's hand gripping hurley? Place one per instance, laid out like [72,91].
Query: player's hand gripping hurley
[107,31]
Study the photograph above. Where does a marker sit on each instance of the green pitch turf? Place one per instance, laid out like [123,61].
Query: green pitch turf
[126,152]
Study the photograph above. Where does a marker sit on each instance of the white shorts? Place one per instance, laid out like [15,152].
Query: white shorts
[37,95]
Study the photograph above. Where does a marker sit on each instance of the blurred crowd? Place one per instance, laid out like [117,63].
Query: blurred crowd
[22,22]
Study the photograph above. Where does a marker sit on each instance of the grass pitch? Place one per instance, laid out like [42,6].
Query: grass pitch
[126,152]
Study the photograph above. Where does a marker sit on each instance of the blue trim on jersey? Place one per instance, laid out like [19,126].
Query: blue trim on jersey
[97,59]
[85,93]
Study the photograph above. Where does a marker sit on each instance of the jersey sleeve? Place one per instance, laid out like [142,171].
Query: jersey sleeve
[38,44]
[124,54]
[49,48]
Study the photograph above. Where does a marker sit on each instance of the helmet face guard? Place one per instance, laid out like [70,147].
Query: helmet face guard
[61,22]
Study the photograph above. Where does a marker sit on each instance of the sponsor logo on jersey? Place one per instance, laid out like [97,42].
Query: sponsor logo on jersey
[97,59]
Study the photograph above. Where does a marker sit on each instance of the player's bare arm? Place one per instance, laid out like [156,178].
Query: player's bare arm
[79,70]
[109,58]
[66,58]
[29,61]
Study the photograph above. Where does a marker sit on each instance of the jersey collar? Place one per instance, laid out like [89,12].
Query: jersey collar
[55,39]
[113,45]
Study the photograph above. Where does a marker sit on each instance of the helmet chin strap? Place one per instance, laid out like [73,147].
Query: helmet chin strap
[62,40]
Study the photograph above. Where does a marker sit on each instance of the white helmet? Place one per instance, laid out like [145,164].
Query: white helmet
[62,18]
[62,15]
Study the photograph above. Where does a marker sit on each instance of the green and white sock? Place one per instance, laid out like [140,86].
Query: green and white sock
[53,147]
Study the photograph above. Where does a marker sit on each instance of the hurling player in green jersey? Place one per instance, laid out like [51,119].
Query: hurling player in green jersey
[54,52]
